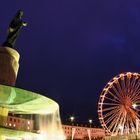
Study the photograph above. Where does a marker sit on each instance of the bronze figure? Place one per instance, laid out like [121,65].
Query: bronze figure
[14,29]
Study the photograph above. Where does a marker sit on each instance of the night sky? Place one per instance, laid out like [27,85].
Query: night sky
[72,48]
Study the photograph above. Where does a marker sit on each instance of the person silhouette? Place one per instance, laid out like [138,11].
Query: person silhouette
[14,29]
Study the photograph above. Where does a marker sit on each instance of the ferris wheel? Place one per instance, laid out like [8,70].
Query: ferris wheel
[119,104]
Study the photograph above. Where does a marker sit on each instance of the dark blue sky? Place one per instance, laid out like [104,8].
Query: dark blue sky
[72,48]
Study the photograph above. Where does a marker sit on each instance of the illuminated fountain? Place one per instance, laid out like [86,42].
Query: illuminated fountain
[89,134]
[73,133]
[22,102]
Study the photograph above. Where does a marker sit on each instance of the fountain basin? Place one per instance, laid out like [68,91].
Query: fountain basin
[19,101]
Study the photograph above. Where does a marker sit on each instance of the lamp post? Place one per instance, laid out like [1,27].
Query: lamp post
[90,122]
[72,118]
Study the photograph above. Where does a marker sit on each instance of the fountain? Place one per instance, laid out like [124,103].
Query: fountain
[89,134]
[43,111]
[73,133]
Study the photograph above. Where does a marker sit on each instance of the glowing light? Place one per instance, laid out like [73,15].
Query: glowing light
[90,121]
[72,118]
[120,126]
[134,106]
[115,78]
[28,122]
[105,89]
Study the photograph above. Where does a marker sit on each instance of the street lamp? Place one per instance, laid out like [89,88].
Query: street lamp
[72,118]
[90,122]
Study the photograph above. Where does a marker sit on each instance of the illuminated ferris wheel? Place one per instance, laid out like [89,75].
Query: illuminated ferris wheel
[119,105]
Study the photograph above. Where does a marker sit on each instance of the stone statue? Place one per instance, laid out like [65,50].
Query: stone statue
[14,29]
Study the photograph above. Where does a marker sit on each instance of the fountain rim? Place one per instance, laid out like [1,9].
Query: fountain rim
[47,105]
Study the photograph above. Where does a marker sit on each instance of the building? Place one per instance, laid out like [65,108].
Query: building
[19,123]
[70,131]
[83,133]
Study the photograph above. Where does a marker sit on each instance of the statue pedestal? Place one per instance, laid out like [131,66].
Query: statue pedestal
[8,66]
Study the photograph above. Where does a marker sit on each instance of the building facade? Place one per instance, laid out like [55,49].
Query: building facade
[71,132]
[19,123]
[83,133]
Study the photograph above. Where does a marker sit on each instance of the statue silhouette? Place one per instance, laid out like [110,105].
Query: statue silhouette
[14,29]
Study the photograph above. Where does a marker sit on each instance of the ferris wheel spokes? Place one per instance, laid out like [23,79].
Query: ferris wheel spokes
[115,107]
